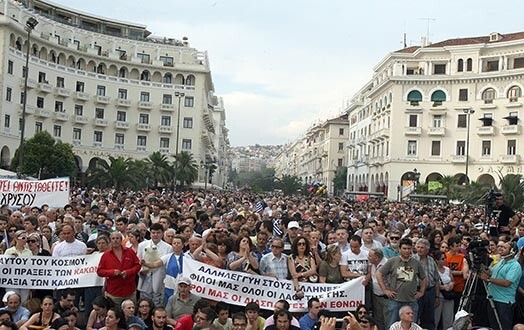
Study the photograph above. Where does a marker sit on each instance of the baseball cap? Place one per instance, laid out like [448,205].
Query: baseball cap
[293,224]
[462,313]
[184,280]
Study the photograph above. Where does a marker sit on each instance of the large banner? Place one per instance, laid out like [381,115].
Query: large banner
[17,193]
[37,272]
[240,288]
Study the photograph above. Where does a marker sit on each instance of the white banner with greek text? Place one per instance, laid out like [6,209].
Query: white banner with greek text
[240,288]
[17,193]
[37,272]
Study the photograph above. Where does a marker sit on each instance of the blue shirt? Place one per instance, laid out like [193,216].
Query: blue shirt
[389,252]
[509,270]
[306,322]
[21,313]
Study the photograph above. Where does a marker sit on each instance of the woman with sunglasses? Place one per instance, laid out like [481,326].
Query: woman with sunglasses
[20,250]
[301,264]
[145,311]
[10,240]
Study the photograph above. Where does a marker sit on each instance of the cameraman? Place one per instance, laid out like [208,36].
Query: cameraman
[506,216]
[503,280]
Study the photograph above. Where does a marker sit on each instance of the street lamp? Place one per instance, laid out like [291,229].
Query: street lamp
[468,112]
[206,166]
[416,177]
[29,26]
[179,96]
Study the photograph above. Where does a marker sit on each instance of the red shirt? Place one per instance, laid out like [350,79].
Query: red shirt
[185,323]
[117,285]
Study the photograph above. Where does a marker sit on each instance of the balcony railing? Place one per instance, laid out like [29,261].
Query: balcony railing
[413,131]
[510,129]
[167,107]
[486,130]
[165,129]
[121,124]
[81,119]
[100,122]
[45,87]
[458,159]
[436,131]
[509,159]
[102,99]
[40,112]
[63,91]
[145,105]
[123,102]
[82,96]
[61,116]
[143,127]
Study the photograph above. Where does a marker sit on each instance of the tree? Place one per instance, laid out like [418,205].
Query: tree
[120,173]
[186,168]
[44,157]
[340,180]
[475,193]
[289,184]
[158,168]
[512,187]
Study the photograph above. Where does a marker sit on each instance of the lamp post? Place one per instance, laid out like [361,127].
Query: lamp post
[468,112]
[29,26]
[416,177]
[179,96]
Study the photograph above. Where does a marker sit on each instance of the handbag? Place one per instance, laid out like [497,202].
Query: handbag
[448,295]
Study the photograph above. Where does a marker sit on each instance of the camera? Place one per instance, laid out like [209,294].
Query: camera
[478,254]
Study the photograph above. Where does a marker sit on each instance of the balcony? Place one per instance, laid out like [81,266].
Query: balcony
[119,146]
[29,109]
[141,148]
[121,124]
[123,102]
[100,122]
[76,143]
[164,151]
[143,127]
[62,92]
[61,116]
[510,129]
[362,140]
[486,130]
[40,112]
[413,131]
[167,107]
[145,105]
[509,159]
[45,87]
[97,144]
[82,120]
[165,129]
[82,96]
[102,99]
[31,83]
[436,131]
[458,159]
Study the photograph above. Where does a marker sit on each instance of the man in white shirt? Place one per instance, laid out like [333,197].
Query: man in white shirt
[368,242]
[379,298]
[354,262]
[69,246]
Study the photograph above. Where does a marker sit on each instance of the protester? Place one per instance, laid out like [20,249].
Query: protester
[44,318]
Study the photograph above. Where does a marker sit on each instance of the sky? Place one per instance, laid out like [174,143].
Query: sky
[283,65]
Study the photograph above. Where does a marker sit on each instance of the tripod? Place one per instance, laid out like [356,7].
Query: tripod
[469,293]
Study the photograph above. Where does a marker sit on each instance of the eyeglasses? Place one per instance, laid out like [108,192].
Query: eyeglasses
[12,230]
[143,306]
[22,238]
[32,241]
[394,238]
[276,246]
[301,244]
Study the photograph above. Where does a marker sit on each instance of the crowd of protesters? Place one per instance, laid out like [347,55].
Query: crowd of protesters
[413,259]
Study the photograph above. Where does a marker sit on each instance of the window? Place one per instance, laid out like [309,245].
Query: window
[57,131]
[98,135]
[189,101]
[143,118]
[119,138]
[463,94]
[437,121]
[435,148]
[122,93]
[164,142]
[461,148]
[101,90]
[167,60]
[59,106]
[488,95]
[144,97]
[341,146]
[168,78]
[165,121]
[141,140]
[518,63]
[514,93]
[10,67]
[144,75]
[438,97]
[460,65]
[513,118]
[38,126]
[486,148]
[340,131]
[469,65]
[60,82]
[8,94]
[462,121]
[186,144]
[79,110]
[77,134]
[439,69]
[41,77]
[40,102]
[145,58]
[487,119]
[188,122]
[99,113]
[122,72]
[512,147]
[80,86]
[167,99]
[7,121]
[22,98]
[190,80]
[413,120]
[414,97]
[120,116]
[492,66]
[412,148]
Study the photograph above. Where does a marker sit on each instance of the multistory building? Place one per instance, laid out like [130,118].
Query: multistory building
[450,108]
[107,87]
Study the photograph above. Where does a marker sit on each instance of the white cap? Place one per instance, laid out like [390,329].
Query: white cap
[293,224]
[462,313]
[7,295]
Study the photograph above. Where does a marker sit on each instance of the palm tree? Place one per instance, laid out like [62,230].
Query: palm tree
[119,173]
[475,193]
[186,168]
[159,169]
[512,187]
[450,188]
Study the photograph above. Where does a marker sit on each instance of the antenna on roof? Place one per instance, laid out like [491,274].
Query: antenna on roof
[428,21]
[405,41]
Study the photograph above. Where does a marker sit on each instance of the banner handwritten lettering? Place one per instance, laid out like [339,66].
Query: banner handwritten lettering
[17,193]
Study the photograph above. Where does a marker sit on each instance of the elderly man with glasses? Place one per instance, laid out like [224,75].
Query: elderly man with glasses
[274,264]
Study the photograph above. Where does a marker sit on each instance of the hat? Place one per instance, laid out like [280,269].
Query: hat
[135,325]
[102,228]
[293,224]
[462,313]
[7,295]
[184,280]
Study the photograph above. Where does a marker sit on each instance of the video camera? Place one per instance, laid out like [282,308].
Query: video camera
[478,254]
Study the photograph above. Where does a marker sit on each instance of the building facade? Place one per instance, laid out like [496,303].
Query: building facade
[451,108]
[107,87]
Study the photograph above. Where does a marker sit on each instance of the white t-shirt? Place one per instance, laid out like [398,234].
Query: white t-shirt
[355,263]
[65,249]
[374,245]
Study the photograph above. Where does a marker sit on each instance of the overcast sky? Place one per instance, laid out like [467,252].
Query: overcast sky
[282,66]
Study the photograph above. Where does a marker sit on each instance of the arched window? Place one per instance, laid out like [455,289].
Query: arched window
[144,75]
[438,97]
[122,73]
[190,80]
[488,95]
[460,65]
[168,78]
[469,64]
[514,93]
[414,97]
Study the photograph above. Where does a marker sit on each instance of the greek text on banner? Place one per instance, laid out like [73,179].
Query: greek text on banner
[37,272]
[17,193]
[239,288]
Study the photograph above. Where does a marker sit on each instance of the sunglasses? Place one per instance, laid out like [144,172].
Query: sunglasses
[22,238]
[12,230]
[276,246]
[32,241]
[394,238]
[301,244]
